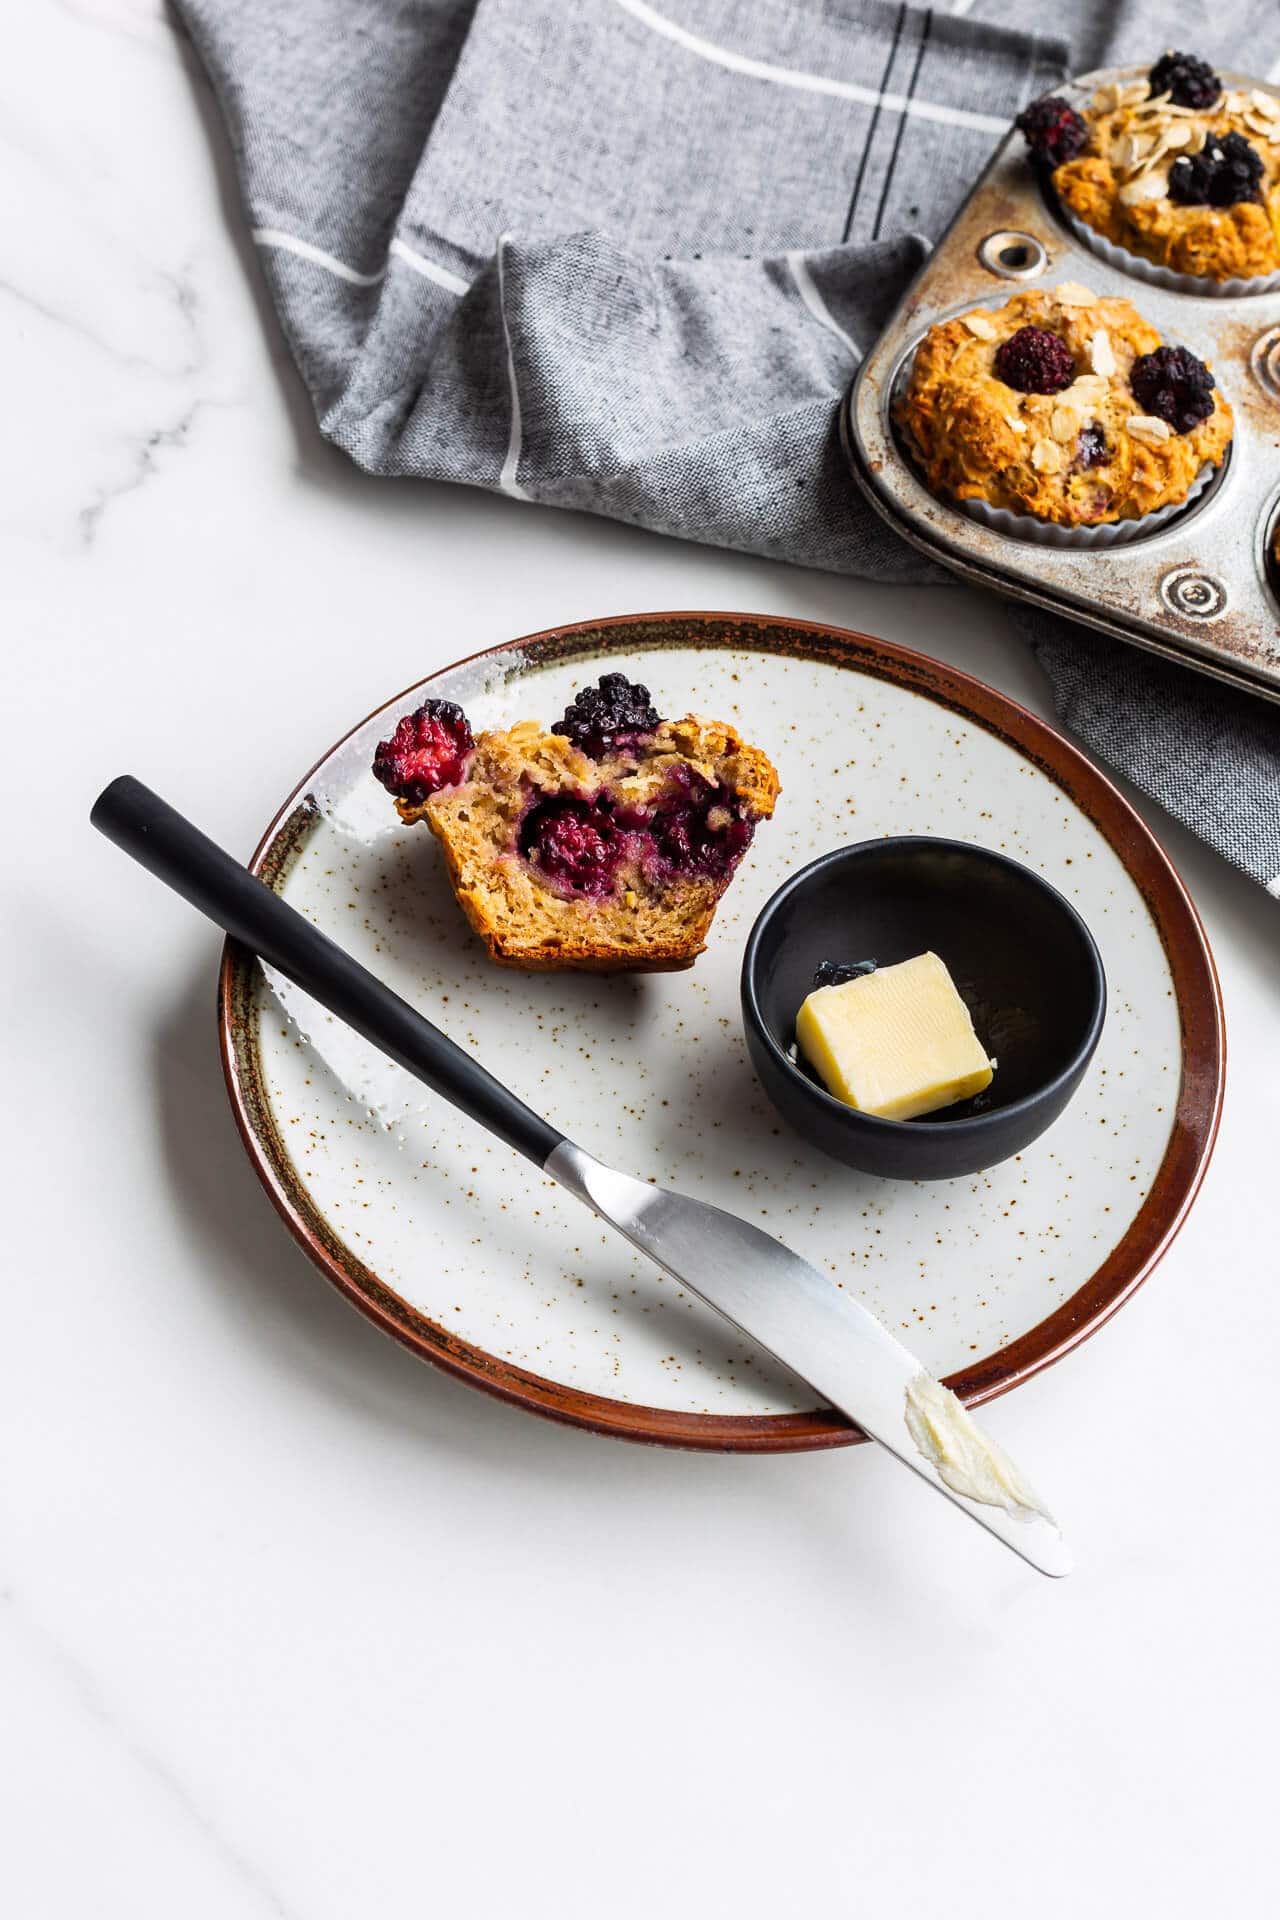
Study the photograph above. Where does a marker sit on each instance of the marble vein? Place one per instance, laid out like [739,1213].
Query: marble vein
[76,1678]
[56,317]
[143,462]
[147,28]
[176,289]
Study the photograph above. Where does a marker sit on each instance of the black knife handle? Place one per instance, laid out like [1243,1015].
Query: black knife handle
[176,852]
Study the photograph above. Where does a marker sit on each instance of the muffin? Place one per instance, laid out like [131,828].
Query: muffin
[1062,404]
[604,845]
[1174,168]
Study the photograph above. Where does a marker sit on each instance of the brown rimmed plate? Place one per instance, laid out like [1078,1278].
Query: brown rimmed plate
[472,1260]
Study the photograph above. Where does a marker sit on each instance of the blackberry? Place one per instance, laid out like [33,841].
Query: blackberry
[1091,447]
[1174,386]
[615,714]
[1035,361]
[1223,173]
[575,843]
[700,832]
[1188,82]
[834,973]
[1053,130]
[428,750]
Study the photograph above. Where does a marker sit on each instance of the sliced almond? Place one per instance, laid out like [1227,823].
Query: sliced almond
[1172,140]
[1065,425]
[1267,104]
[1101,358]
[1046,457]
[1147,429]
[1265,129]
[1147,187]
[1072,294]
[1129,152]
[980,326]
[1015,425]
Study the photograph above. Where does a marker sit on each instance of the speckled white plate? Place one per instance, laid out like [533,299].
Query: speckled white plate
[465,1253]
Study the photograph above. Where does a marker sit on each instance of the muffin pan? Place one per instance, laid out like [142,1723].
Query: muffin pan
[1198,588]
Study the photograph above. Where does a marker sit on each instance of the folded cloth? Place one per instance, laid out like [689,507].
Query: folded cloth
[625,257]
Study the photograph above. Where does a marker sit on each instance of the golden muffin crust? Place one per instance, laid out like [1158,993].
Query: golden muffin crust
[1119,184]
[975,438]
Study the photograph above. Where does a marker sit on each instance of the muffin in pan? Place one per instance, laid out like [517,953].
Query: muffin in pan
[1063,405]
[1174,168]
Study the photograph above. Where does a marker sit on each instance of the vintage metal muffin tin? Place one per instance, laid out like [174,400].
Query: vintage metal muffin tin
[1201,589]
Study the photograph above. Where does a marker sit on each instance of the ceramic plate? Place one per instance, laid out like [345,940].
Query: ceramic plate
[469,1256]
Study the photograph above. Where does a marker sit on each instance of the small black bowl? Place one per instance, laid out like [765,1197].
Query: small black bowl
[1021,956]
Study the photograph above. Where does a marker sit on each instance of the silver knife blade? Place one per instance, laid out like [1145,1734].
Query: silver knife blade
[796,1314]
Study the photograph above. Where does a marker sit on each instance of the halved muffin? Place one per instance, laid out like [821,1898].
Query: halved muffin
[604,845]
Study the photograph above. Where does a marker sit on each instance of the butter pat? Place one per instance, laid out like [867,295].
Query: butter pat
[897,1042]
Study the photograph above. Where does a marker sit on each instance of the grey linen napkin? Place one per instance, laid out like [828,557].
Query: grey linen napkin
[624,257]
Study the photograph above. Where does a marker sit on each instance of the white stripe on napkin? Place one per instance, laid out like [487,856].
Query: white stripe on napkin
[304,249]
[289,243]
[809,82]
[515,440]
[817,305]
[452,282]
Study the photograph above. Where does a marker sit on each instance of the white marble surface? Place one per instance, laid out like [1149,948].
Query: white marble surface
[290,1625]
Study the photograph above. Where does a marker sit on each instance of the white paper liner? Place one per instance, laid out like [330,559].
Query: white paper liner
[1112,533]
[1122,261]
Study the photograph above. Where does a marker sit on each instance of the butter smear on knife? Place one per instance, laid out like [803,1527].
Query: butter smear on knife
[952,1441]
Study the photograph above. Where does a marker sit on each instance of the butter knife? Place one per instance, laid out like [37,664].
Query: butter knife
[771,1294]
